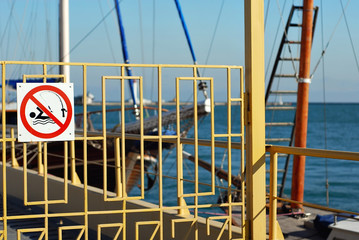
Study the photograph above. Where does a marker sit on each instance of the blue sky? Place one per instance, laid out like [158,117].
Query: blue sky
[168,45]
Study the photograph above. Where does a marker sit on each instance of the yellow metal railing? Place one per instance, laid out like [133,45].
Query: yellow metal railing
[116,212]
[273,198]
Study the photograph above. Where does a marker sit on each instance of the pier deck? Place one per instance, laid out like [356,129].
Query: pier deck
[296,227]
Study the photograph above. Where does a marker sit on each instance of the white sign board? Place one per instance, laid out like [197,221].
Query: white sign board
[45,112]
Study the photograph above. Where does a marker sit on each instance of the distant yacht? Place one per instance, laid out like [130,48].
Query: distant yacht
[89,99]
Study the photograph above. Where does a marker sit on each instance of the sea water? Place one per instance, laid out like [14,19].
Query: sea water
[333,126]
[330,126]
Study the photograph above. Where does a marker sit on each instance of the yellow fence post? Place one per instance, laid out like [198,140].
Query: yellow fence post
[272,197]
[40,166]
[14,162]
[74,177]
[255,129]
[118,168]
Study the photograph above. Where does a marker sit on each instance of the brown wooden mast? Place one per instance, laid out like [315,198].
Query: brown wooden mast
[302,103]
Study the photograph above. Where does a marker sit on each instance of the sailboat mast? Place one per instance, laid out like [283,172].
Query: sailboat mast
[64,38]
[133,83]
[302,103]
[202,85]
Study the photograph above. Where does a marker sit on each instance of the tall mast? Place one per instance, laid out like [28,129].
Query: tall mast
[302,103]
[202,85]
[64,41]
[133,83]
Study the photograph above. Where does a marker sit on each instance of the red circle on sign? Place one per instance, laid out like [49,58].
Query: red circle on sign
[29,95]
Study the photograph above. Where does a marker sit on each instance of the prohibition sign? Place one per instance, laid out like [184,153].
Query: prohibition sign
[62,125]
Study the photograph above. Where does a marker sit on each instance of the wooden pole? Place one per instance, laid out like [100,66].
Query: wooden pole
[302,103]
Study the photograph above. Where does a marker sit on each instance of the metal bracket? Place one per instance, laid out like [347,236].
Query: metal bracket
[304,80]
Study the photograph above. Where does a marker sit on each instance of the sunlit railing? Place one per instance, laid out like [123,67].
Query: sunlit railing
[273,198]
[115,205]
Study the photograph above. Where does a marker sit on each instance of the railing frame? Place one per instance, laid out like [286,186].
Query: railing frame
[273,198]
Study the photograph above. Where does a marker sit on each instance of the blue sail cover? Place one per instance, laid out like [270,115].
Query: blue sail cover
[12,82]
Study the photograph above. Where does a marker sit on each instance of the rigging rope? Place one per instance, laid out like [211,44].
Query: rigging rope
[350,36]
[325,107]
[153,46]
[275,39]
[141,39]
[266,15]
[214,35]
[91,31]
[88,34]
[108,36]
[48,35]
[141,32]
[7,25]
[330,38]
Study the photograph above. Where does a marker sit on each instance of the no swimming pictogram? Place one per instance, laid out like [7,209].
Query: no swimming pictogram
[45,112]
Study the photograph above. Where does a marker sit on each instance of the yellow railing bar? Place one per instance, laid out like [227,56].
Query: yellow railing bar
[46,194]
[74,176]
[33,203]
[14,162]
[119,65]
[242,173]
[274,150]
[223,226]
[229,150]
[109,225]
[212,135]
[160,166]
[3,118]
[199,193]
[84,93]
[119,182]
[80,227]
[154,138]
[44,76]
[273,195]
[122,198]
[195,126]
[28,230]
[138,224]
[124,190]
[40,166]
[228,135]
[142,145]
[180,200]
[173,221]
[344,155]
[317,206]
[104,136]
[80,138]
[66,170]
[123,151]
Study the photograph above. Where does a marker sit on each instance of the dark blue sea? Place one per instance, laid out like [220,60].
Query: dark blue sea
[334,127]
[330,126]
